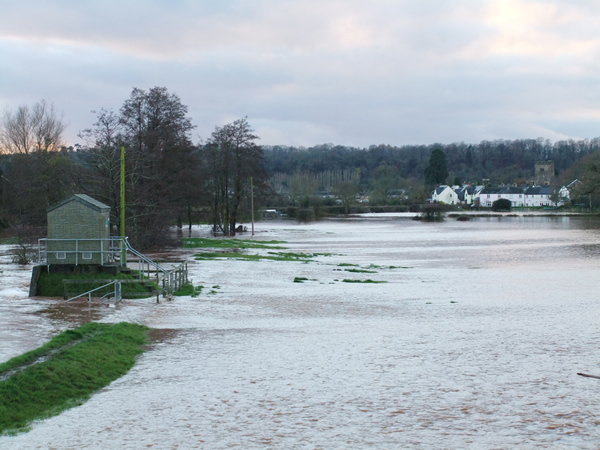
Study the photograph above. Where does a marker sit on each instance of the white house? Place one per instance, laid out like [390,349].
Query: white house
[515,195]
[444,194]
[564,192]
[519,196]
[532,196]
[467,194]
[539,196]
[488,196]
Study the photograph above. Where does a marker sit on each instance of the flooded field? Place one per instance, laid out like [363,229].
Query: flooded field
[473,341]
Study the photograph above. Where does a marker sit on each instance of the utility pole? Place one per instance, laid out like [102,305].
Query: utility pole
[252,203]
[124,250]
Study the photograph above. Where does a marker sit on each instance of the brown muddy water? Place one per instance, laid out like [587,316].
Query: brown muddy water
[474,341]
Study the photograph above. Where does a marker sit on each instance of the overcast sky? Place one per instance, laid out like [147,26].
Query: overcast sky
[307,72]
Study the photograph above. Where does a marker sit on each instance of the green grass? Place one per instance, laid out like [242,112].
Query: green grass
[228,243]
[213,290]
[375,266]
[66,372]
[188,289]
[272,256]
[300,255]
[300,279]
[371,267]
[51,284]
[360,271]
[362,281]
[61,340]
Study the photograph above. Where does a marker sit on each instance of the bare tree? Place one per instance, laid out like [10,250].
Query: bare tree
[302,186]
[160,163]
[233,158]
[27,130]
[103,142]
[155,129]
[346,191]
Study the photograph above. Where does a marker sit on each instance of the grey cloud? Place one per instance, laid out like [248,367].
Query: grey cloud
[349,72]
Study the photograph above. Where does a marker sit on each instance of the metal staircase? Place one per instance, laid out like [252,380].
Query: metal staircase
[168,280]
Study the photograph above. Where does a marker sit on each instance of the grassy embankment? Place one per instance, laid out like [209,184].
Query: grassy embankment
[65,372]
[51,284]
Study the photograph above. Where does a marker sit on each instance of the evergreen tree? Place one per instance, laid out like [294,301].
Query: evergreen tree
[437,171]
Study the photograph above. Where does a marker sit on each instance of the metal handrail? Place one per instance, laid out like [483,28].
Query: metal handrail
[112,251]
[117,292]
[144,259]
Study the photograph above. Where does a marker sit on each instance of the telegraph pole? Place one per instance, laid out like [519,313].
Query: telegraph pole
[252,203]
[124,250]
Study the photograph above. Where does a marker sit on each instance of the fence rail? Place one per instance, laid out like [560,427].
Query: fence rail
[81,251]
[118,293]
[110,251]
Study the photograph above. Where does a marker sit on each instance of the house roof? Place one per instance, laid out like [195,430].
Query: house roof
[539,190]
[491,190]
[512,190]
[85,200]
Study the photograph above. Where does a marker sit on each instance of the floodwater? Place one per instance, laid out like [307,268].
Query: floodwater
[474,341]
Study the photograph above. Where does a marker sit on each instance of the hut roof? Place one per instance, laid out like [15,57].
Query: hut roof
[84,199]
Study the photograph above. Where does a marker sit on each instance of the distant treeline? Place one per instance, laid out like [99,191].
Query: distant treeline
[500,161]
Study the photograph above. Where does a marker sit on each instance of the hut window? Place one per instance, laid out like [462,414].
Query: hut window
[86,255]
[61,255]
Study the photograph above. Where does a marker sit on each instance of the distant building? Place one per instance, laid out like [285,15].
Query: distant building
[467,193]
[444,194]
[544,173]
[519,196]
[539,196]
[515,195]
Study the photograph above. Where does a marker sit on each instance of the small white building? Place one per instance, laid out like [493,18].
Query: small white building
[564,193]
[532,196]
[444,194]
[537,196]
[515,195]
[489,195]
[467,194]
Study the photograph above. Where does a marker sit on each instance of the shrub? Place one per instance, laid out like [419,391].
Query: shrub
[502,204]
[433,212]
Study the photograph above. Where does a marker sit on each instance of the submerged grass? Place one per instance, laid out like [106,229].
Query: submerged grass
[271,256]
[188,289]
[375,266]
[300,255]
[346,280]
[370,267]
[228,243]
[360,271]
[65,372]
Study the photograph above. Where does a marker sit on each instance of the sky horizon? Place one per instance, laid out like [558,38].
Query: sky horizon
[350,72]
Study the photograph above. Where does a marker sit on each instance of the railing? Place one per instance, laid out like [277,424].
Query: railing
[171,280]
[81,251]
[144,263]
[118,293]
[110,251]
[174,279]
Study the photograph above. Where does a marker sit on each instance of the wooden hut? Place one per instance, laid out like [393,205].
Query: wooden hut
[78,232]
